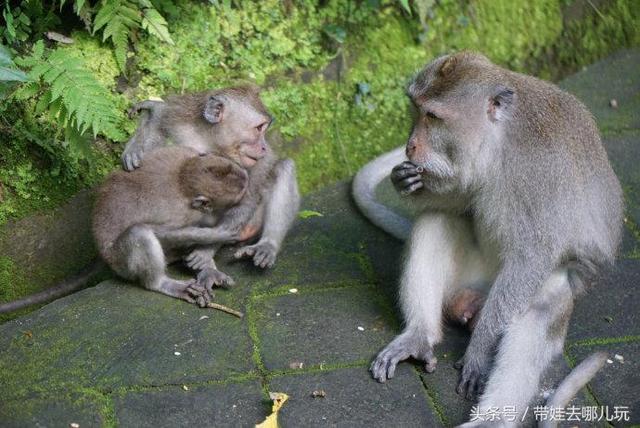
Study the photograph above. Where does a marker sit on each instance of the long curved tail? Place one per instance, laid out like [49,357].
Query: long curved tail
[575,381]
[364,186]
[61,289]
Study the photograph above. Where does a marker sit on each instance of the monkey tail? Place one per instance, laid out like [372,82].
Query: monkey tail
[570,386]
[363,188]
[65,287]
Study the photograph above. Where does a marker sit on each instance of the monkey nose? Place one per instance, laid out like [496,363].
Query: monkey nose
[411,147]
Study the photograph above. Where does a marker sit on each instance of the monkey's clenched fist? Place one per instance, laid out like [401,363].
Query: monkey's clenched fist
[406,178]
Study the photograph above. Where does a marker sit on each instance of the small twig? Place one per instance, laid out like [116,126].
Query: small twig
[596,9]
[223,308]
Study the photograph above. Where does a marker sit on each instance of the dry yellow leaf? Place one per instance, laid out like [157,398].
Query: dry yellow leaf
[279,399]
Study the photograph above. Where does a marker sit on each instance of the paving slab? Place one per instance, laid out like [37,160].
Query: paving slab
[321,328]
[616,384]
[116,334]
[623,149]
[615,77]
[52,412]
[353,399]
[610,307]
[329,249]
[233,404]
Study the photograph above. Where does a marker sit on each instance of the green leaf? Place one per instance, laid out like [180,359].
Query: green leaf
[12,75]
[156,25]
[5,56]
[405,6]
[309,213]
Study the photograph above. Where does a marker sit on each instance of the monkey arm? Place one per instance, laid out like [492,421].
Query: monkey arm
[192,235]
[516,284]
[148,135]
[280,212]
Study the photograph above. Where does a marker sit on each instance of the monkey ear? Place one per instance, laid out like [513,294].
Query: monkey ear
[213,110]
[200,202]
[448,65]
[501,103]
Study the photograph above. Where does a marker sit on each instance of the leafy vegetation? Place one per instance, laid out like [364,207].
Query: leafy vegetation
[333,72]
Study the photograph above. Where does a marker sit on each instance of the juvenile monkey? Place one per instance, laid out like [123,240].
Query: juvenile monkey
[145,219]
[231,123]
[517,197]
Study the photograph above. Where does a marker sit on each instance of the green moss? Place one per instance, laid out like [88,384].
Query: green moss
[604,341]
[610,27]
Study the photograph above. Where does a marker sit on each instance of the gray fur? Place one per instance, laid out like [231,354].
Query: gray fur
[145,219]
[222,122]
[524,159]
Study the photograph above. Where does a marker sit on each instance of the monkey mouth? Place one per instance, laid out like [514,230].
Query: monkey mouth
[248,161]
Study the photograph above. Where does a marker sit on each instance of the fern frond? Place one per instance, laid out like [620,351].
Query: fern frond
[154,23]
[117,19]
[71,94]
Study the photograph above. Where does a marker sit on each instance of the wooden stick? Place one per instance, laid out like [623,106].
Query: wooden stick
[223,308]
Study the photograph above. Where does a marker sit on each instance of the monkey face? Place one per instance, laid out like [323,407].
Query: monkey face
[430,148]
[456,110]
[240,129]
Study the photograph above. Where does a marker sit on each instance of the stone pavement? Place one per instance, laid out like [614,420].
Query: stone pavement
[115,354]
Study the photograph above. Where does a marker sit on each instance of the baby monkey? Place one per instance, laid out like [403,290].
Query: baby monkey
[152,216]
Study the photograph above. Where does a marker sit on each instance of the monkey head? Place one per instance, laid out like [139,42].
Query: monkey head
[240,122]
[460,108]
[213,183]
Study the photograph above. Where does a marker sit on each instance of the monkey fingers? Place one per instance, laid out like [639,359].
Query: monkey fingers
[209,277]
[400,349]
[472,377]
[132,160]
[264,254]
[406,178]
[199,259]
[188,291]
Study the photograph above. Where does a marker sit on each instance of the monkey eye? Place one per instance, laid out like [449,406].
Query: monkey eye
[431,115]
[263,126]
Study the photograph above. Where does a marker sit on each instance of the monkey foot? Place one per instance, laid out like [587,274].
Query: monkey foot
[401,348]
[188,291]
[210,277]
[199,259]
[263,253]
[472,377]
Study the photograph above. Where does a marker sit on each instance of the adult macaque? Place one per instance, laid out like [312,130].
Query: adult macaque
[148,218]
[232,123]
[517,197]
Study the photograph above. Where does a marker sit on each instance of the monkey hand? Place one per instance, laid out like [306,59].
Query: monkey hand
[210,277]
[264,253]
[406,345]
[475,371]
[132,158]
[199,259]
[406,178]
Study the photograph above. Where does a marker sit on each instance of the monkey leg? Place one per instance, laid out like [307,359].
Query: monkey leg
[441,257]
[528,345]
[280,212]
[138,255]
